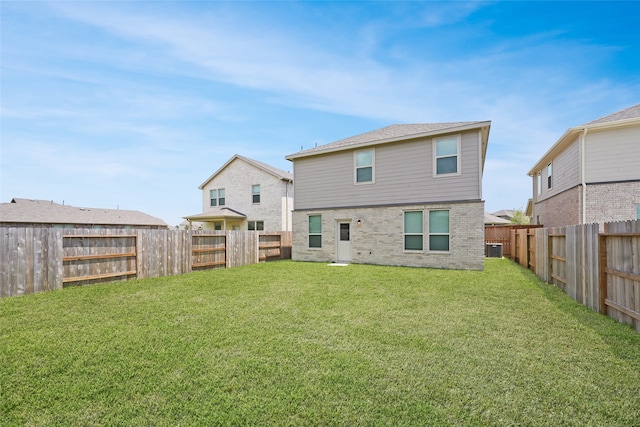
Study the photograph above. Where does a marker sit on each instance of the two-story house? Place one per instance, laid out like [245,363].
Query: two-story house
[245,194]
[591,174]
[406,194]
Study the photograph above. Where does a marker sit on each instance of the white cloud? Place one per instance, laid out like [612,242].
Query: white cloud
[533,87]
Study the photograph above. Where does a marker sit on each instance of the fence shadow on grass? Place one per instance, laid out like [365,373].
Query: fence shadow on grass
[622,339]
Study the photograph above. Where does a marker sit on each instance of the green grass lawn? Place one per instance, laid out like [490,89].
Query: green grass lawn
[288,343]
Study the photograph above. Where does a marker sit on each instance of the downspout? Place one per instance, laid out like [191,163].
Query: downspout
[582,175]
[584,213]
[286,205]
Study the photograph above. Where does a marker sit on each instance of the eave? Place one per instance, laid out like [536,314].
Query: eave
[571,133]
[475,125]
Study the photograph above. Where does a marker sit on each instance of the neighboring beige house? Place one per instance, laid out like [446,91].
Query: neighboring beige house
[406,194]
[492,219]
[591,174]
[27,212]
[245,194]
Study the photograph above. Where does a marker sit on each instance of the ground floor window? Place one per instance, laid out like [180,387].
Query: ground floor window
[413,230]
[439,230]
[255,225]
[315,231]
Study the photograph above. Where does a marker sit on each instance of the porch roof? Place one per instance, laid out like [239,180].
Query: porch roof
[216,214]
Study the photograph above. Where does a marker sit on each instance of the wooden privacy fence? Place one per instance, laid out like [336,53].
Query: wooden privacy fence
[502,234]
[37,259]
[598,269]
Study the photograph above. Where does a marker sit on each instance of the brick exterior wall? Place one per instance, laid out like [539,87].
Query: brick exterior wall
[611,202]
[606,202]
[276,197]
[561,209]
[380,237]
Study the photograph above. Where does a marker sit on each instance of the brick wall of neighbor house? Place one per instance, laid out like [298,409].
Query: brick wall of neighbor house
[561,209]
[611,202]
[237,180]
[380,237]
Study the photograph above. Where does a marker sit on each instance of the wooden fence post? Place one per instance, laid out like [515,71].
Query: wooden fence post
[550,255]
[602,243]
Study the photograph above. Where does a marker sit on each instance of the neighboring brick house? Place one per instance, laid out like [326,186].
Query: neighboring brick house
[591,174]
[245,194]
[406,195]
[27,212]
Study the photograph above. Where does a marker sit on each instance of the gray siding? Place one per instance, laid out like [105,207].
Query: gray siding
[566,172]
[403,174]
[613,155]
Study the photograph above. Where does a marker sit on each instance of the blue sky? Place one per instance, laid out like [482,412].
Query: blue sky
[134,104]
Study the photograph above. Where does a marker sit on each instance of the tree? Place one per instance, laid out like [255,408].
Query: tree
[519,217]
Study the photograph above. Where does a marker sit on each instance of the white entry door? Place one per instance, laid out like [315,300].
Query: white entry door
[344,242]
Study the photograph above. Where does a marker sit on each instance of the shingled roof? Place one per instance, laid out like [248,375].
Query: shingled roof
[627,113]
[27,211]
[392,133]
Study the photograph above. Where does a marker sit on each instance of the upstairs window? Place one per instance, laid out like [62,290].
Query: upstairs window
[446,156]
[255,193]
[439,230]
[638,211]
[255,225]
[217,197]
[315,231]
[413,236]
[549,174]
[364,166]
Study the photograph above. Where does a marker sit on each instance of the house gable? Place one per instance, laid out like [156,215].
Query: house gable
[253,192]
[621,119]
[595,172]
[278,173]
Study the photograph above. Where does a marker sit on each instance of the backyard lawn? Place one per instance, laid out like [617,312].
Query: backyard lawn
[287,343]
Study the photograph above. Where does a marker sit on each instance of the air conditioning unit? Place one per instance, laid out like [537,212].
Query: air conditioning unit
[494,250]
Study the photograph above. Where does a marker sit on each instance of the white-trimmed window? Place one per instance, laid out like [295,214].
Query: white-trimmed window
[549,174]
[539,182]
[255,193]
[217,197]
[413,231]
[638,211]
[364,161]
[255,225]
[439,236]
[446,156]
[315,231]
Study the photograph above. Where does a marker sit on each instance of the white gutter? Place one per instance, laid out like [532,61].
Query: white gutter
[481,165]
[286,205]
[583,139]
[583,221]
